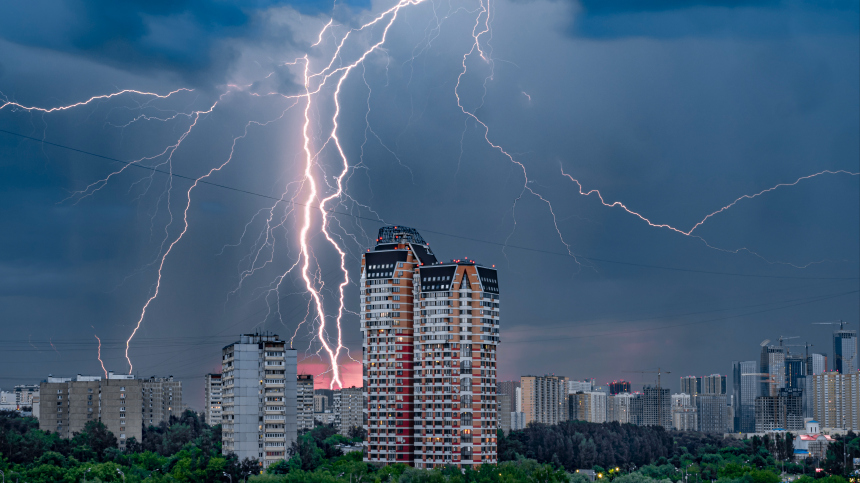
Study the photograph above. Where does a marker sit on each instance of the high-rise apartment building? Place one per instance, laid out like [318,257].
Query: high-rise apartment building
[587,406]
[431,330]
[712,413]
[162,398]
[656,407]
[617,387]
[691,385]
[835,400]
[845,351]
[304,402]
[320,403]
[545,399]
[712,385]
[212,398]
[258,374]
[621,407]
[115,401]
[580,386]
[684,414]
[783,411]
[348,409]
[504,411]
[509,388]
[745,384]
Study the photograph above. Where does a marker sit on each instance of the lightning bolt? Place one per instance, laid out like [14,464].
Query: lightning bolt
[689,232]
[100,356]
[12,104]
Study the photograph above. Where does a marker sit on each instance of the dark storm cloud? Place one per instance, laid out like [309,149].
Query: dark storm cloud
[677,18]
[196,39]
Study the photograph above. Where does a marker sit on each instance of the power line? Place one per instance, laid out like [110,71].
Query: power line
[436,232]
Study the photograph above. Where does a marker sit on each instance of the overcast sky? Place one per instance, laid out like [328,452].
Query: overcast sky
[673,108]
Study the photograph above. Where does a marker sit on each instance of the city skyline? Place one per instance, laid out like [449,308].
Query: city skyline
[737,122]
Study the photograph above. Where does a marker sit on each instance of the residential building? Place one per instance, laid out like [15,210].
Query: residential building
[836,400]
[617,387]
[348,409]
[258,400]
[656,407]
[545,399]
[430,331]
[161,398]
[745,384]
[504,405]
[510,388]
[621,408]
[580,386]
[115,401]
[845,351]
[325,418]
[691,385]
[212,398]
[304,402]
[712,413]
[715,384]
[684,414]
[783,411]
[587,406]
[518,421]
[24,394]
[321,403]
[7,401]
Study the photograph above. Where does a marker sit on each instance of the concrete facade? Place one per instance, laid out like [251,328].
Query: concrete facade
[836,400]
[304,402]
[348,409]
[212,398]
[259,419]
[68,404]
[162,398]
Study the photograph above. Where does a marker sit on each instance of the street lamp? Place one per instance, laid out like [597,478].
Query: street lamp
[121,474]
[229,476]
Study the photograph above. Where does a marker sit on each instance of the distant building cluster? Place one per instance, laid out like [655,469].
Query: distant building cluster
[430,395]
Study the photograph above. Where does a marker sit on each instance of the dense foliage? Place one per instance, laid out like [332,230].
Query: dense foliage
[188,450]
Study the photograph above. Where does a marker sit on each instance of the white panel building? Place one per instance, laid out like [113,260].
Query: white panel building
[259,403]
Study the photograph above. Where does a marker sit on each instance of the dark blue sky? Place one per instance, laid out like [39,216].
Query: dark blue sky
[673,108]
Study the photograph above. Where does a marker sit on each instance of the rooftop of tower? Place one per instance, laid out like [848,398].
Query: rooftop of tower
[399,234]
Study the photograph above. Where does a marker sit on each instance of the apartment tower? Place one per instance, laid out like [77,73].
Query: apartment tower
[258,398]
[212,398]
[430,334]
[304,402]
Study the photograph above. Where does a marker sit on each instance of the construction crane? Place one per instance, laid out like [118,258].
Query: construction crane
[841,324]
[782,338]
[659,372]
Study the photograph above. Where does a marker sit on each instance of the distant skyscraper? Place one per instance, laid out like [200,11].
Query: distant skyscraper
[620,407]
[684,414]
[745,391]
[504,401]
[617,387]
[212,399]
[656,407]
[258,374]
[348,409]
[544,399]
[773,363]
[587,406]
[845,351]
[783,411]
[795,371]
[836,400]
[691,385]
[713,385]
[580,386]
[816,364]
[711,410]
